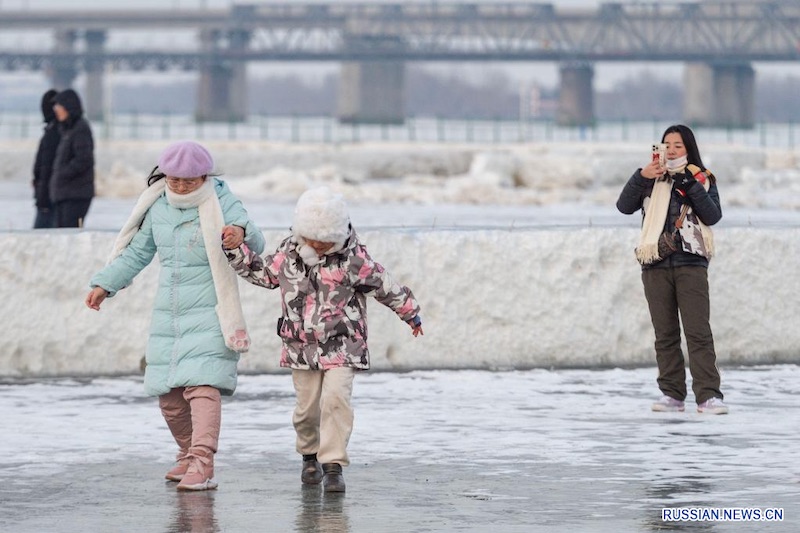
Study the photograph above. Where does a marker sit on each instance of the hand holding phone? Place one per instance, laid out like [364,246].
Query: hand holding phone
[660,153]
[657,167]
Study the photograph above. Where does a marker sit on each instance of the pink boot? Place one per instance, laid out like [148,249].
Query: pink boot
[177,472]
[200,474]
[205,405]
[178,416]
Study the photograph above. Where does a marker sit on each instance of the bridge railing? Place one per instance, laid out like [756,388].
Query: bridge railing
[327,130]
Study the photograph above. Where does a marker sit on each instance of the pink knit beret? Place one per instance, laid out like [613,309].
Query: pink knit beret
[185,159]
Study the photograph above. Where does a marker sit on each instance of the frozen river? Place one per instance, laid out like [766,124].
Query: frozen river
[532,451]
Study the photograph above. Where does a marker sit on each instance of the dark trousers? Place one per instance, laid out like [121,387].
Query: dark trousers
[71,213]
[44,218]
[683,290]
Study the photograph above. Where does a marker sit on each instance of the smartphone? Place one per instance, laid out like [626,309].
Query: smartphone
[660,153]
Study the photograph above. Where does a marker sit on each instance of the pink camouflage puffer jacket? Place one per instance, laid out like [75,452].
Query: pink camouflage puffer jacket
[324,319]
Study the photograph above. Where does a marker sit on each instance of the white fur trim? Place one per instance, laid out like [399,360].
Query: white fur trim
[308,255]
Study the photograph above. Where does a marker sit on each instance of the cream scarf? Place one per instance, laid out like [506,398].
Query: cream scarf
[655,216]
[226,283]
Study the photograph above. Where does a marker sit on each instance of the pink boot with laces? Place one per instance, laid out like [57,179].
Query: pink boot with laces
[177,472]
[200,474]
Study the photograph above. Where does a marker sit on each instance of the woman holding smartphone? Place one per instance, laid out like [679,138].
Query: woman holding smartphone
[679,202]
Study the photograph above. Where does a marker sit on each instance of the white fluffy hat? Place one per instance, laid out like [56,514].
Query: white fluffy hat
[321,215]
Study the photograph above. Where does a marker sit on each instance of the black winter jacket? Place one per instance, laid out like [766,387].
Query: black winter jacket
[43,164]
[705,204]
[73,169]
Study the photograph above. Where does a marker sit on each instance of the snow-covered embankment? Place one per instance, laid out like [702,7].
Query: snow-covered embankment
[490,299]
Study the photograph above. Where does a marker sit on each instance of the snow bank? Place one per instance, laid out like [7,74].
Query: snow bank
[516,253]
[490,299]
[503,174]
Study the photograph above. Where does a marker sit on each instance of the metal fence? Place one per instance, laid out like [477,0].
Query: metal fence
[423,130]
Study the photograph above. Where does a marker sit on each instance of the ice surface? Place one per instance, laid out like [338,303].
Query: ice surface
[532,451]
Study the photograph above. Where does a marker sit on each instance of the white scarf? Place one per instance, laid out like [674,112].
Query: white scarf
[226,283]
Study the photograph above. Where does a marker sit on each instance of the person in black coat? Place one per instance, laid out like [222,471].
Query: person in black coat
[43,164]
[72,182]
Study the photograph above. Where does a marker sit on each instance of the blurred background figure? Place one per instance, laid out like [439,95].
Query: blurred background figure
[43,164]
[72,181]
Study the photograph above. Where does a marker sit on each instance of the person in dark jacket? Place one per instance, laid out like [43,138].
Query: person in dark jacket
[679,201]
[72,182]
[43,164]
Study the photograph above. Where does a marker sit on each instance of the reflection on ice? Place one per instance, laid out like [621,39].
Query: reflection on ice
[318,511]
[193,513]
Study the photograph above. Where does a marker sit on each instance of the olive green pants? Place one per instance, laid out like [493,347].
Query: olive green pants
[684,291]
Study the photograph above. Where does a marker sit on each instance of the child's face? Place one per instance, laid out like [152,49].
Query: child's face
[319,246]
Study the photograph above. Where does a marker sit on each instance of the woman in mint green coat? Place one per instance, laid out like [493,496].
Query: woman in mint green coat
[197,329]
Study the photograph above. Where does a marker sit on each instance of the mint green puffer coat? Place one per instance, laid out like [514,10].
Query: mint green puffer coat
[186,347]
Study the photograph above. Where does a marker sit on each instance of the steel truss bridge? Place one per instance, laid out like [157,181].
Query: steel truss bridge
[636,31]
[724,32]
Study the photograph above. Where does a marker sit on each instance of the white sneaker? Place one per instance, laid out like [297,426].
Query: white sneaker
[667,404]
[712,406]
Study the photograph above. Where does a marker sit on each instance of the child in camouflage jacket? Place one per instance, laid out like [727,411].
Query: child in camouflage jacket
[325,275]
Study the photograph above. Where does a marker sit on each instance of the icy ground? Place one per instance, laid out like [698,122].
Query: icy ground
[533,451]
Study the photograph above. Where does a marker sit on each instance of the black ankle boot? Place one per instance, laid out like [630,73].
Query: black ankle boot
[334,480]
[312,471]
